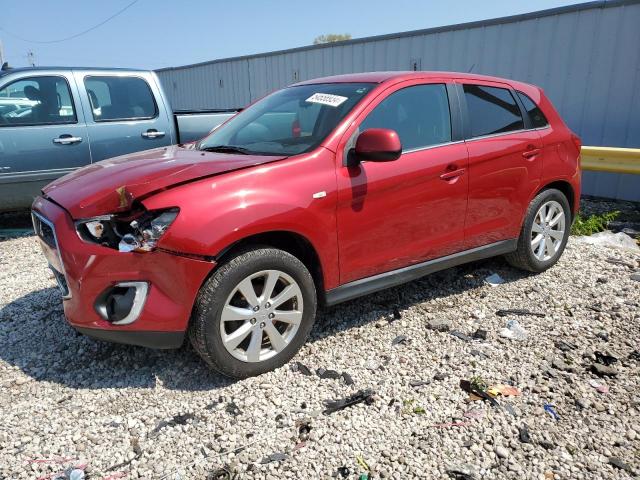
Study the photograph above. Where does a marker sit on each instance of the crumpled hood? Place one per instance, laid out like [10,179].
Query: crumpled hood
[112,185]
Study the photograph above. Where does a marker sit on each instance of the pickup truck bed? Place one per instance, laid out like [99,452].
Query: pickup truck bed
[190,124]
[55,120]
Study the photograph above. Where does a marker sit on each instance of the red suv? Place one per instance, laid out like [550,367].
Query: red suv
[318,193]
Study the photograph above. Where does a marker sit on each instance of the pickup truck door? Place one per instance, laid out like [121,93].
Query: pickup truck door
[125,112]
[42,134]
[394,214]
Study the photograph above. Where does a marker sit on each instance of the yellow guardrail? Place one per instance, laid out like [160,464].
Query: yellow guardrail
[611,159]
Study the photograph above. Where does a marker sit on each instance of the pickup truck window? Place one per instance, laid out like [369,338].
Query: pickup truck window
[42,100]
[419,114]
[492,110]
[288,122]
[120,98]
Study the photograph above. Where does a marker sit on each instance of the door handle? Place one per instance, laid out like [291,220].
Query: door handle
[67,140]
[152,134]
[453,174]
[531,152]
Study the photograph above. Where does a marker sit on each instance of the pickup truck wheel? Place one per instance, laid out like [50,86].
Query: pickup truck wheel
[544,233]
[254,313]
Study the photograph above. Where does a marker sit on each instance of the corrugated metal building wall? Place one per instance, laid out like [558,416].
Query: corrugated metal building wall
[585,56]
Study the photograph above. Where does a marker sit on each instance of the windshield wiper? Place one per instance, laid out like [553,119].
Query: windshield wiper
[227,149]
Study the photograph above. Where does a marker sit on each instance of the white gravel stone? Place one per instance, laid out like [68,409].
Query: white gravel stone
[501,452]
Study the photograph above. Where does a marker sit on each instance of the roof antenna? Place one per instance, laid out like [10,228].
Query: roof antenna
[469,71]
[5,66]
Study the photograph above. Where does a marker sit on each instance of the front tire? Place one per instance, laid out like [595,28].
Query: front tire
[544,232]
[254,313]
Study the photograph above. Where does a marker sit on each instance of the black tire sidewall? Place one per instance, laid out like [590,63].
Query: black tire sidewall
[226,279]
[543,197]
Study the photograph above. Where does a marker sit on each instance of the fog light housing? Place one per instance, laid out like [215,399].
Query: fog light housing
[122,303]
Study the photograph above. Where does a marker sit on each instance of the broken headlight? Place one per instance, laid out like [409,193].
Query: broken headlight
[132,232]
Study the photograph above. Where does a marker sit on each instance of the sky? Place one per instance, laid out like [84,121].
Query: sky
[153,34]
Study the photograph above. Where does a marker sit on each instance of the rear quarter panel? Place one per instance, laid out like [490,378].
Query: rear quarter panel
[561,155]
[218,211]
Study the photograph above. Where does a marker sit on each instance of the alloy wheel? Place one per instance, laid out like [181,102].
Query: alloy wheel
[547,230]
[261,316]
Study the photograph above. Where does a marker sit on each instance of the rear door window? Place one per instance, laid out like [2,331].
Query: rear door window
[538,120]
[42,100]
[492,110]
[120,98]
[419,115]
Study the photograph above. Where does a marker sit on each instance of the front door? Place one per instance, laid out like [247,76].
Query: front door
[122,114]
[399,213]
[42,136]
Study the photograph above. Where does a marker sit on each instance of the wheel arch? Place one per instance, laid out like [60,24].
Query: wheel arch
[566,188]
[563,186]
[291,242]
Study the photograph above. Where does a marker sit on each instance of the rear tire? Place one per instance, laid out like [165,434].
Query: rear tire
[544,232]
[240,325]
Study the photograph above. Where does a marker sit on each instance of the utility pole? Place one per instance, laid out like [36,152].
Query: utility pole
[1,54]
[30,58]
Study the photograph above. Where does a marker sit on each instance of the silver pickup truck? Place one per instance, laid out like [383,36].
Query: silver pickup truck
[54,120]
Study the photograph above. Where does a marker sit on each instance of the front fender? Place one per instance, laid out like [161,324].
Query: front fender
[296,195]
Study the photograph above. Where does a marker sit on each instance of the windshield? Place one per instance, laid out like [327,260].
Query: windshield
[288,122]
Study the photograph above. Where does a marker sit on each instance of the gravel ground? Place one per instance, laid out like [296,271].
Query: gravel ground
[128,412]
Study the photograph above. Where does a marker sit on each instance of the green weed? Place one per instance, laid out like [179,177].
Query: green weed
[593,223]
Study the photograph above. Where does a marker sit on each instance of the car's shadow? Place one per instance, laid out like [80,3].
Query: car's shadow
[35,337]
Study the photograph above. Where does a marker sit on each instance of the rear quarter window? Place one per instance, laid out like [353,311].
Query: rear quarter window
[538,119]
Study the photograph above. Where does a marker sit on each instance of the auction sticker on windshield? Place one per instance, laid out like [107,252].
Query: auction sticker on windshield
[327,99]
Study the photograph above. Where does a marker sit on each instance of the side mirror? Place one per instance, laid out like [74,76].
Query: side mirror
[377,145]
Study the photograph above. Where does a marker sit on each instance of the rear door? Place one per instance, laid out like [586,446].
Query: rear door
[42,134]
[395,214]
[505,162]
[124,113]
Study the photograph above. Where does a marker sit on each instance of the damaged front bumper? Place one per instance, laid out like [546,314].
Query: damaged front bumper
[136,298]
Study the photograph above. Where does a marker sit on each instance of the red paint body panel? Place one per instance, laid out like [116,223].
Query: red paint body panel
[561,155]
[399,213]
[273,197]
[361,221]
[92,190]
[501,185]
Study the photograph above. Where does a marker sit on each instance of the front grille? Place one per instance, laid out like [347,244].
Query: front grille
[44,231]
